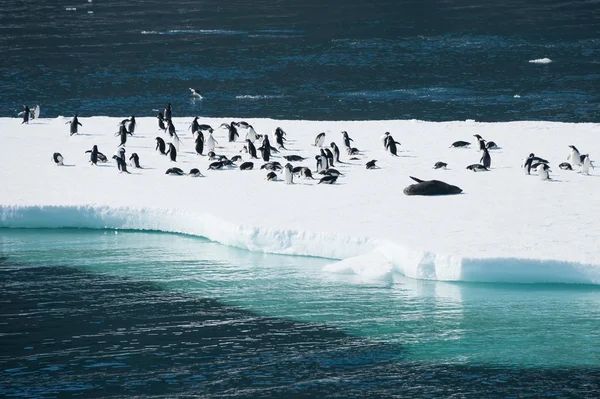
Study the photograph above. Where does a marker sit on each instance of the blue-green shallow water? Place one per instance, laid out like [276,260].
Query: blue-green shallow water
[96,313]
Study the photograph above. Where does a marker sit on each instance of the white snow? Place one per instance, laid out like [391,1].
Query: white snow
[505,227]
[540,61]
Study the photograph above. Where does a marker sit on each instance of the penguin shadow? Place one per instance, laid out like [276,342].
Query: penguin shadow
[68,165]
[83,134]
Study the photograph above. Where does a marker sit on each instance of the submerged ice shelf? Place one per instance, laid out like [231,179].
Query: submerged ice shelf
[506,227]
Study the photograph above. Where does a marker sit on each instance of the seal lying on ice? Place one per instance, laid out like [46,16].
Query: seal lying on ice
[431,187]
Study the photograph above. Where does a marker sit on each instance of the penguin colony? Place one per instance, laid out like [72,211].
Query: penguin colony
[258,150]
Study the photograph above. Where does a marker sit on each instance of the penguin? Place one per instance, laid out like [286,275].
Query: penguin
[294,158]
[543,170]
[530,160]
[274,166]
[328,179]
[26,114]
[216,165]
[160,146]
[371,164]
[171,128]
[331,172]
[74,125]
[288,176]
[135,161]
[460,144]
[195,172]
[233,133]
[199,142]
[279,139]
[327,152]
[120,152]
[172,152]
[175,172]
[319,139]
[306,173]
[161,122]
[322,163]
[35,114]
[347,139]
[271,176]
[352,151]
[250,133]
[211,156]
[336,151]
[480,141]
[168,112]
[121,165]
[195,93]
[565,166]
[205,127]
[490,145]
[247,166]
[384,139]
[123,133]
[251,149]
[210,142]
[574,157]
[195,126]
[243,124]
[95,155]
[132,125]
[585,165]
[390,145]
[236,158]
[439,165]
[102,158]
[477,168]
[57,158]
[486,160]
[265,149]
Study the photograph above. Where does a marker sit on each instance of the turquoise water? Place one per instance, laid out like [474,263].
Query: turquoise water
[514,325]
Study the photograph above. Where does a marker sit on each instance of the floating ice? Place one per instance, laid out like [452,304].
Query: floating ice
[540,61]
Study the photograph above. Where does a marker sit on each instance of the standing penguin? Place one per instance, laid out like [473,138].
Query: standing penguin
[74,123]
[390,145]
[121,164]
[336,151]
[288,176]
[251,149]
[585,165]
[123,133]
[233,133]
[347,139]
[266,149]
[161,122]
[95,155]
[160,146]
[481,142]
[543,170]
[251,134]
[199,142]
[172,152]
[574,157]
[327,152]
[171,128]
[486,160]
[279,139]
[135,161]
[319,139]
[132,125]
[120,152]
[26,114]
[35,113]
[321,163]
[210,142]
[168,112]
[384,139]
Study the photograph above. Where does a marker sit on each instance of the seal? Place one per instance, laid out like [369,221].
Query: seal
[431,187]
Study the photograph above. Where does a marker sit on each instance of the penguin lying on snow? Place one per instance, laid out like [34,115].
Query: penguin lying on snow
[439,165]
[57,158]
[431,187]
[174,171]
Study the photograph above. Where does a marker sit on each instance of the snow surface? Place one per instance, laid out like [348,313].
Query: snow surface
[505,227]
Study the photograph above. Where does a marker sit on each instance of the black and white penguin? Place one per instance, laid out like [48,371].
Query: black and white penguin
[121,165]
[135,161]
[390,145]
[57,158]
[336,151]
[251,149]
[171,128]
[327,152]
[352,151]
[74,125]
[174,172]
[199,142]
[96,155]
[371,164]
[236,158]
[322,163]
[486,160]
[265,149]
[247,166]
[35,113]
[161,122]
[120,152]
[347,139]
[384,139]
[565,166]
[195,172]
[328,179]
[232,134]
[243,124]
[574,157]
[460,144]
[288,176]
[274,166]
[306,173]
[319,139]
[294,158]
[168,112]
[439,165]
[210,142]
[480,141]
[530,160]
[586,164]
[216,165]
[271,176]
[543,170]
[279,139]
[132,125]
[160,146]
[477,168]
[123,133]
[331,172]
[172,152]
[26,114]
[195,126]
[490,145]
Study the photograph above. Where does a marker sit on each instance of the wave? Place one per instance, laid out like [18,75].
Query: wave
[258,96]
[540,61]
[194,31]
[369,258]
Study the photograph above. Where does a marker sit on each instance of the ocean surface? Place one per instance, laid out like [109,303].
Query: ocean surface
[102,313]
[304,59]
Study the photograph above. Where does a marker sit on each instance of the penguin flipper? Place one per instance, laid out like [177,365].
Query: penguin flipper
[417,180]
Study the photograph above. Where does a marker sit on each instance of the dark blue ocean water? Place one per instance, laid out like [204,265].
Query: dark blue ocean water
[304,59]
